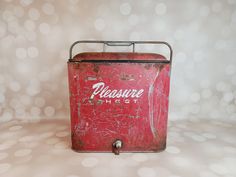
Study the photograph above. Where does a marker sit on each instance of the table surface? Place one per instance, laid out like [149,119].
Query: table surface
[204,148]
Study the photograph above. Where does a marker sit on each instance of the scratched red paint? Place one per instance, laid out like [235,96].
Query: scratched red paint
[119,100]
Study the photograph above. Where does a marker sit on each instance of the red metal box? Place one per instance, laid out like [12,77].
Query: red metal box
[119,101]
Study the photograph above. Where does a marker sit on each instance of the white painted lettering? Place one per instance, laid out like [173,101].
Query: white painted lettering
[104,92]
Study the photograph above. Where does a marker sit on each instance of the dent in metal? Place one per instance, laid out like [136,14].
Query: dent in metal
[150,104]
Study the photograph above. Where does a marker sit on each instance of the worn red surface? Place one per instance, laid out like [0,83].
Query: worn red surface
[126,101]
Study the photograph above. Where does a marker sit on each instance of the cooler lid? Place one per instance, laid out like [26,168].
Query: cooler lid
[118,56]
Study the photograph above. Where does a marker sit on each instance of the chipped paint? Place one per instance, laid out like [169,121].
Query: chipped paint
[91,78]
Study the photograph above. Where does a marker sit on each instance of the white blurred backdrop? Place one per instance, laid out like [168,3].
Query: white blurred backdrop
[35,37]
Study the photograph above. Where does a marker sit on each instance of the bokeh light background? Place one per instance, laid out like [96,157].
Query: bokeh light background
[35,37]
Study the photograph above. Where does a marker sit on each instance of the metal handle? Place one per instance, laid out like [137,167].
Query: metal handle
[123,43]
[118,43]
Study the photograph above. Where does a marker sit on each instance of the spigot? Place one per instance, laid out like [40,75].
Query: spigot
[116,146]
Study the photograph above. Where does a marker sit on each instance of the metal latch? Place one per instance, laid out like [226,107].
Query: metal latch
[116,146]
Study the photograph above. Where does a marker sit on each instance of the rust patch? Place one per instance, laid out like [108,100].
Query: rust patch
[133,117]
[127,77]
[76,143]
[79,109]
[77,65]
[162,145]
[159,66]
[79,143]
[147,66]
[96,68]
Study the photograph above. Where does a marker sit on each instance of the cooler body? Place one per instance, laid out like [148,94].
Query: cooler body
[119,98]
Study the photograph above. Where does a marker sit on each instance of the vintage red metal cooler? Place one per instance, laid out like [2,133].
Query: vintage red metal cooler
[119,101]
